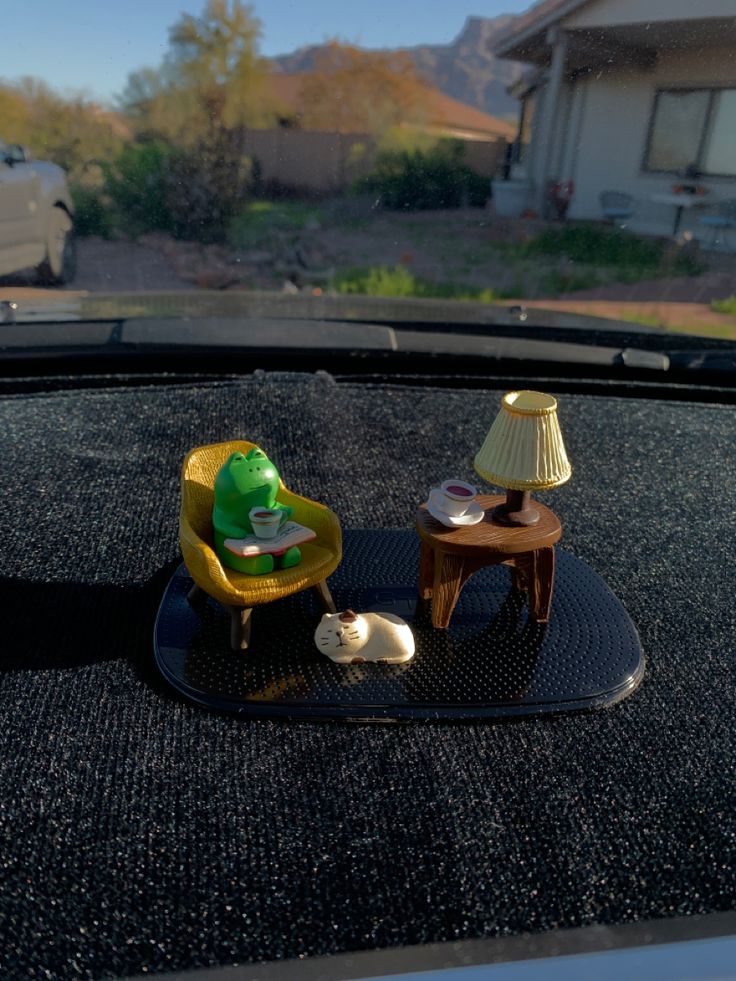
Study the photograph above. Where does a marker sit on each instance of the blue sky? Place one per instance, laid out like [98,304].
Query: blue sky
[91,45]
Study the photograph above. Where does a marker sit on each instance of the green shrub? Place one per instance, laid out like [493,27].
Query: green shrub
[725,306]
[401,282]
[588,243]
[633,256]
[205,186]
[136,184]
[261,219]
[92,215]
[190,192]
[643,319]
[560,281]
[417,180]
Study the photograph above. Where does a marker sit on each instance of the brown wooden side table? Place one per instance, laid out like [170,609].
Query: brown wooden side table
[450,556]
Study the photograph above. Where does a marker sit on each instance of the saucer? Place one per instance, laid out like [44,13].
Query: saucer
[472,516]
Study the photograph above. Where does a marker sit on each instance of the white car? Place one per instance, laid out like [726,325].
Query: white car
[36,217]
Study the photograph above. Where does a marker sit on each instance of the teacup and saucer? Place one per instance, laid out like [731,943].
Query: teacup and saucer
[266,521]
[454,504]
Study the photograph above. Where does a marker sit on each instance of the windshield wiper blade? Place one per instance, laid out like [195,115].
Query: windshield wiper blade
[527,349]
[214,333]
[261,334]
[265,335]
[704,360]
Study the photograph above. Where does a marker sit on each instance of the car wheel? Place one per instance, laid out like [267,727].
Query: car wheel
[60,264]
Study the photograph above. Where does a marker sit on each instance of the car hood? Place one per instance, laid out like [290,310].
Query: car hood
[43,305]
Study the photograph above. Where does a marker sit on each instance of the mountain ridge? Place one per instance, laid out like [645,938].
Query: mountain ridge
[464,69]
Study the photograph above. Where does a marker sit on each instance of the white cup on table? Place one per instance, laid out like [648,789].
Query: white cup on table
[454,497]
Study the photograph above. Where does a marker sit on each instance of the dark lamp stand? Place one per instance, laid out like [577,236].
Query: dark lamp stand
[517,509]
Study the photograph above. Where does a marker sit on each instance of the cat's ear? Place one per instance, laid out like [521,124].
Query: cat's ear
[349,616]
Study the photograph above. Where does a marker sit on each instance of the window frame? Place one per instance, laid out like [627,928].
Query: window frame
[712,91]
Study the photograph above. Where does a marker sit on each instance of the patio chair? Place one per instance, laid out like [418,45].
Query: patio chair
[617,207]
[720,219]
[236,591]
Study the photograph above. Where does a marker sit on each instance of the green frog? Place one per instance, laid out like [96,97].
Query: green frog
[243,482]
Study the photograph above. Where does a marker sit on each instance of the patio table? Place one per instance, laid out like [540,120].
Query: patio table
[680,200]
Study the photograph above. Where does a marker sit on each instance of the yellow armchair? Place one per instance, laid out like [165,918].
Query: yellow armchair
[236,590]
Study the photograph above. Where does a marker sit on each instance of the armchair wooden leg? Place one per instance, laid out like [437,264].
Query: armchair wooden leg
[240,622]
[324,596]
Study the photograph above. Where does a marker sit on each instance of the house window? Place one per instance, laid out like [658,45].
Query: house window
[720,150]
[693,127]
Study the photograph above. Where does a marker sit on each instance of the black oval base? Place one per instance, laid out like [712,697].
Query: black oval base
[492,662]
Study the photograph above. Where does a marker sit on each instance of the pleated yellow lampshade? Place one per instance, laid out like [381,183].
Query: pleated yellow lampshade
[524,449]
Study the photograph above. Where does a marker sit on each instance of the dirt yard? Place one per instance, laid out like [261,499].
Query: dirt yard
[466,248]
[104,267]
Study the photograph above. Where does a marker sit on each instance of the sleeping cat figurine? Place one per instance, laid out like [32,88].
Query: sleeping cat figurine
[354,638]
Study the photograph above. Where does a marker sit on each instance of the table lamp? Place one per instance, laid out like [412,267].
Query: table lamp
[523,452]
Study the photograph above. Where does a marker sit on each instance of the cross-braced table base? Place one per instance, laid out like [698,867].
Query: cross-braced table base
[450,556]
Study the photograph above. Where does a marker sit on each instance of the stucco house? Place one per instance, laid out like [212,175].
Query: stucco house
[626,95]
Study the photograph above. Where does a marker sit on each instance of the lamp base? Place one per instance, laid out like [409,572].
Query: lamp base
[517,509]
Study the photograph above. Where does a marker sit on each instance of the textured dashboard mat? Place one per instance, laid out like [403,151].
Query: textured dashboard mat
[491,662]
[142,834]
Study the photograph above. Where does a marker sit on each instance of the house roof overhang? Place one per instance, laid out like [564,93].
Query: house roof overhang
[531,36]
[526,82]
[529,29]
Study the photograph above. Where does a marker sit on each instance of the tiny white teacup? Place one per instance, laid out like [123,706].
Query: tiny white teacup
[265,521]
[454,497]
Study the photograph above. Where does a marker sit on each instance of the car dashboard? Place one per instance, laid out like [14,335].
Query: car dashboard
[142,833]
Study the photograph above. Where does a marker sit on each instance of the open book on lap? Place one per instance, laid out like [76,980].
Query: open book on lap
[288,535]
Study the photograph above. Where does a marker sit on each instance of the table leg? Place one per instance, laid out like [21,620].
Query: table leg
[426,571]
[540,569]
[517,578]
[448,581]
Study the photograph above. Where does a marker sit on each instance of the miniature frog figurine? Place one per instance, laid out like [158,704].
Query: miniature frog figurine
[242,483]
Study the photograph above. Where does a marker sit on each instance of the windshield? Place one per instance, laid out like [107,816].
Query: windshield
[576,157]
